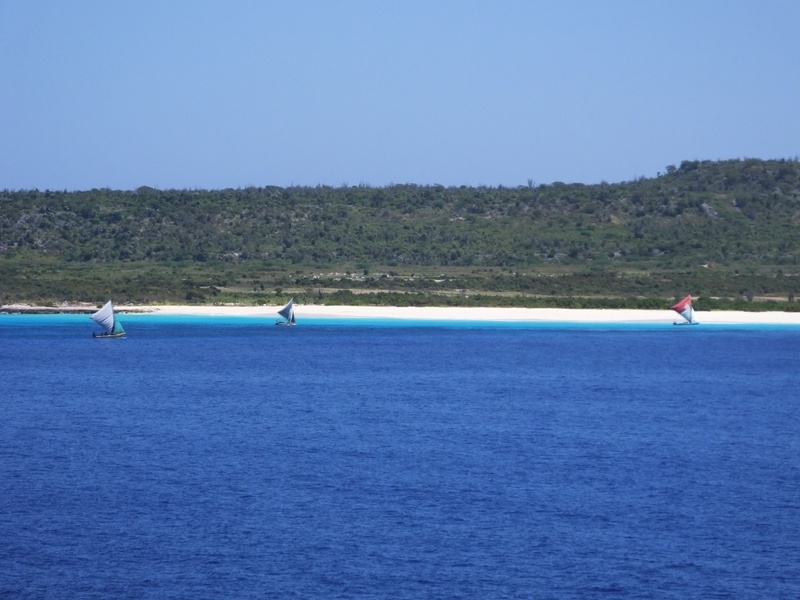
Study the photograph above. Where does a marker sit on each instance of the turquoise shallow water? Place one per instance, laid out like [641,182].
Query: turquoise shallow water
[226,457]
[79,324]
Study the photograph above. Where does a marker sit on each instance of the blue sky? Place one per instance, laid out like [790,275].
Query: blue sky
[234,93]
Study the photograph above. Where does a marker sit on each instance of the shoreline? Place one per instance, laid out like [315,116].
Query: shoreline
[431,313]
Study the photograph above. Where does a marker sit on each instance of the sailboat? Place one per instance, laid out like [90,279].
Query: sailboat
[106,318]
[287,312]
[684,309]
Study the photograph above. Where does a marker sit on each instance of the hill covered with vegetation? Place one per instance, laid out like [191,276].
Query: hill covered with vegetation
[722,230]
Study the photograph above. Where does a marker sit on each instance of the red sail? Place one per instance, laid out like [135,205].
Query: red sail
[681,306]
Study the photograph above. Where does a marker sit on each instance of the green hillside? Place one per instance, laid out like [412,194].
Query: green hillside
[726,230]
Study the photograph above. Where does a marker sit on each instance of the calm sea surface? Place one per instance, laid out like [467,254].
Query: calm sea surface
[228,458]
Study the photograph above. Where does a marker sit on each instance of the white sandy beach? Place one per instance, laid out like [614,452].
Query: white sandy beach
[556,315]
[488,315]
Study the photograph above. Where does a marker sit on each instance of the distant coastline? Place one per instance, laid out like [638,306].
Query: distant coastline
[433,313]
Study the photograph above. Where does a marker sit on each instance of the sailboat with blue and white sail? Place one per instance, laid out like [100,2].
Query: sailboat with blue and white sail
[684,309]
[106,318]
[287,312]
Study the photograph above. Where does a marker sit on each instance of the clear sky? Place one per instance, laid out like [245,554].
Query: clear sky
[233,93]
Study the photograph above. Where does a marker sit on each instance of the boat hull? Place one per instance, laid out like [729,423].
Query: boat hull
[104,336]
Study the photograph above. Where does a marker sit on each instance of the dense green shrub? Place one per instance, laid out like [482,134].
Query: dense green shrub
[726,228]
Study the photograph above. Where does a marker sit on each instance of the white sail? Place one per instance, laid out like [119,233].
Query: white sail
[287,312]
[688,314]
[105,317]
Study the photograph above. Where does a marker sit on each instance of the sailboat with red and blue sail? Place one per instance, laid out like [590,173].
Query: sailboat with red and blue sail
[684,309]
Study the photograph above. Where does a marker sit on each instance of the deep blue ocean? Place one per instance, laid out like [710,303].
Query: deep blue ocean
[229,458]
